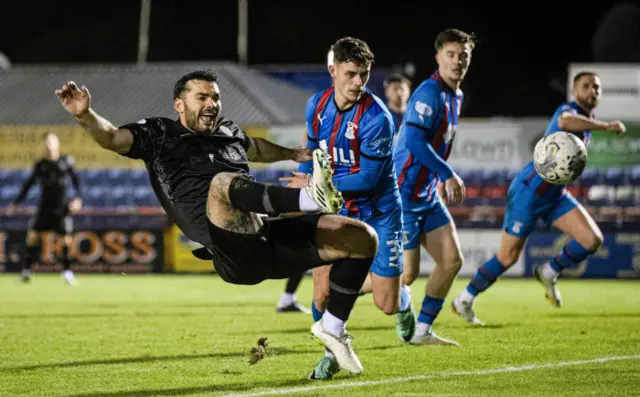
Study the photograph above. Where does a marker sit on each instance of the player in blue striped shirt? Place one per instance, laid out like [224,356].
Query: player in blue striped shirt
[531,198]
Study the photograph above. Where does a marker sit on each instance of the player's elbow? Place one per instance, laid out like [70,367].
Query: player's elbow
[563,121]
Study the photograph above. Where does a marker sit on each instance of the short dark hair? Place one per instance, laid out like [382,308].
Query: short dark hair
[582,74]
[452,35]
[396,78]
[203,74]
[350,49]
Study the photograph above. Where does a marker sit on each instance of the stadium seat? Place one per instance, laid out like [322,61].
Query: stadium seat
[143,196]
[494,187]
[8,194]
[472,182]
[139,177]
[96,177]
[624,196]
[600,195]
[588,179]
[121,196]
[613,177]
[13,176]
[118,177]
[96,196]
[634,177]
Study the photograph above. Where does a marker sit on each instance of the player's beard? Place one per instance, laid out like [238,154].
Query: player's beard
[194,123]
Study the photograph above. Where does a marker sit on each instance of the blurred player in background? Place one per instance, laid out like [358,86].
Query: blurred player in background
[54,209]
[357,130]
[531,198]
[420,155]
[397,89]
[288,301]
[198,165]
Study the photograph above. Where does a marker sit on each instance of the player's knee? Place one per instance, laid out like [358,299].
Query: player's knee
[453,262]
[387,303]
[593,241]
[367,240]
[411,268]
[508,256]
[409,277]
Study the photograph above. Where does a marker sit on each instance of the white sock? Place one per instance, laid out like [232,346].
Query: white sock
[422,328]
[333,324]
[26,272]
[548,272]
[307,204]
[286,299]
[466,296]
[67,274]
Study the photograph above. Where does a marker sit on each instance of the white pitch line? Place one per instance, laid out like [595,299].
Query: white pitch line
[343,385]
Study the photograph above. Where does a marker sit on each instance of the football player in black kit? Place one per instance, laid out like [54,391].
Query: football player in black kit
[198,167]
[54,210]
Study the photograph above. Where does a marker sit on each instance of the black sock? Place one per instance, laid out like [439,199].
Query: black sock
[346,279]
[30,253]
[293,282]
[65,259]
[261,198]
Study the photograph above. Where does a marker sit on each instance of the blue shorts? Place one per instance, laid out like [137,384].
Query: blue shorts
[388,261]
[418,223]
[525,207]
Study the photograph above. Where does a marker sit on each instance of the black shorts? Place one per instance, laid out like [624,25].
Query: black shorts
[282,248]
[61,224]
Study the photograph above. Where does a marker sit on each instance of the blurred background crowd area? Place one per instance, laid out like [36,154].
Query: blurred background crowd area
[270,58]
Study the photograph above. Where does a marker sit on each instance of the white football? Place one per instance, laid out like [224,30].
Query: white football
[560,158]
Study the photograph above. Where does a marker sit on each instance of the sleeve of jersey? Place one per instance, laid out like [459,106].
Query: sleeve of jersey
[144,139]
[310,140]
[376,140]
[25,188]
[421,124]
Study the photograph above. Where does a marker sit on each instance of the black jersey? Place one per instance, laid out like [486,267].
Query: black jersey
[52,177]
[181,164]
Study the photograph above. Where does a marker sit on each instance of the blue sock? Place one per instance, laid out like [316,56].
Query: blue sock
[405,299]
[361,293]
[317,314]
[430,309]
[486,275]
[571,254]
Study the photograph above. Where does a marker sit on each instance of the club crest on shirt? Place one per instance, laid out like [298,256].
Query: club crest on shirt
[351,130]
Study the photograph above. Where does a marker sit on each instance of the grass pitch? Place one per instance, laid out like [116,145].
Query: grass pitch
[165,335]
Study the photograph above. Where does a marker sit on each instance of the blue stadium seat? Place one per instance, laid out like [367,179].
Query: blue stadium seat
[634,178]
[589,177]
[143,196]
[13,176]
[139,177]
[95,177]
[121,196]
[613,176]
[118,177]
[96,196]
[8,194]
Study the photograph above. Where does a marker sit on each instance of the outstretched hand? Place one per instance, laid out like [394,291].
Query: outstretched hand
[75,100]
[298,180]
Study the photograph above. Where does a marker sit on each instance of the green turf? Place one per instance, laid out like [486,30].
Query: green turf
[188,335]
